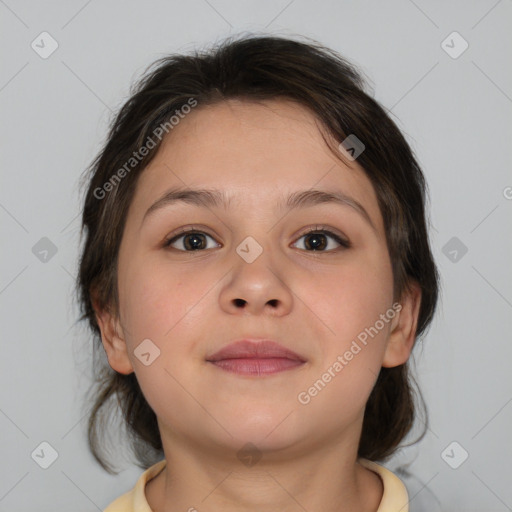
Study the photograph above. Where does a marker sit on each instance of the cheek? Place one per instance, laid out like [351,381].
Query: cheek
[357,298]
[153,299]
[164,307]
[354,296]
[344,376]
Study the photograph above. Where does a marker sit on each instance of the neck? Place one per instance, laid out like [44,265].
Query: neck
[325,479]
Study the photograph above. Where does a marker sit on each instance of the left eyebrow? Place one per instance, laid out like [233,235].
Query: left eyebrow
[213,198]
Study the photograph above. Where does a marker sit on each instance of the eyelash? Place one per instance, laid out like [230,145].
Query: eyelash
[317,229]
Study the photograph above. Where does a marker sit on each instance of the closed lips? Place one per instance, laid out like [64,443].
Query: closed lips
[255,359]
[245,349]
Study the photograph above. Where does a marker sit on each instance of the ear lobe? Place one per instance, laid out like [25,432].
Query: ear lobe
[113,340]
[403,328]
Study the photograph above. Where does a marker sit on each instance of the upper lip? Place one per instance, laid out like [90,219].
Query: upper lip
[249,349]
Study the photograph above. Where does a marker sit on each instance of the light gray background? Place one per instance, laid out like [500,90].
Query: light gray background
[456,114]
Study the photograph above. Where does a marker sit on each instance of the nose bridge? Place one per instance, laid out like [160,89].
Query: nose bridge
[256,233]
[257,282]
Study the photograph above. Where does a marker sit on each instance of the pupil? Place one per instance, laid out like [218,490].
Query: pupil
[318,241]
[197,238]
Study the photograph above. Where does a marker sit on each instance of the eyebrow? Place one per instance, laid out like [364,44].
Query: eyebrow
[213,198]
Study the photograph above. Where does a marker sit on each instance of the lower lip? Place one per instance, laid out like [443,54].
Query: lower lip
[257,367]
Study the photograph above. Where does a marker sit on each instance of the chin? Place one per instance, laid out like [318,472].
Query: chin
[267,431]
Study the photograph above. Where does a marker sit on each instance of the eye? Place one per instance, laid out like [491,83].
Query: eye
[317,240]
[189,240]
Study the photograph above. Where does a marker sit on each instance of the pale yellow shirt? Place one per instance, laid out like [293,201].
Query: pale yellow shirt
[394,498]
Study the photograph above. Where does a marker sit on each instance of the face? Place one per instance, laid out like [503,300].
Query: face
[249,269]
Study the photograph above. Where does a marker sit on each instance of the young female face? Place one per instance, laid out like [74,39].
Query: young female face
[255,275]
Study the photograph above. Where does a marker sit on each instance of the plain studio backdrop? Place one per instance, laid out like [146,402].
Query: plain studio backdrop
[443,71]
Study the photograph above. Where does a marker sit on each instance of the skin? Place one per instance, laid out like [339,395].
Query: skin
[313,302]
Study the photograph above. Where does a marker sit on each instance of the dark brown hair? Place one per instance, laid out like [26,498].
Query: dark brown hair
[253,68]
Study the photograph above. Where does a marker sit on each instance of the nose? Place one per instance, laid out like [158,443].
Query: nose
[257,288]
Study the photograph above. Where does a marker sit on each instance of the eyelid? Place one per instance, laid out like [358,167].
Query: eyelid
[325,229]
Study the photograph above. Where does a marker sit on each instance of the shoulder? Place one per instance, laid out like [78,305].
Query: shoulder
[395,497]
[135,500]
[122,504]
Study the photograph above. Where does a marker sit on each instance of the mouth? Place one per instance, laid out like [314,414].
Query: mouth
[259,358]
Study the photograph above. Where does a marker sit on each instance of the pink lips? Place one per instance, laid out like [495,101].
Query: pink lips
[263,357]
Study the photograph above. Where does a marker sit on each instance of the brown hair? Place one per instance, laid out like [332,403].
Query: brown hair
[253,68]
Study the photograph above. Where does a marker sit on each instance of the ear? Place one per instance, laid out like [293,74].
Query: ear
[403,328]
[113,339]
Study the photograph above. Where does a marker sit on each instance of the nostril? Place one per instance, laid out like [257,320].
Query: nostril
[240,302]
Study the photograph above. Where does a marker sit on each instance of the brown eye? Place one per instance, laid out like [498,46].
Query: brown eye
[189,241]
[318,240]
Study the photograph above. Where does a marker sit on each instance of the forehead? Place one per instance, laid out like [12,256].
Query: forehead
[255,152]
